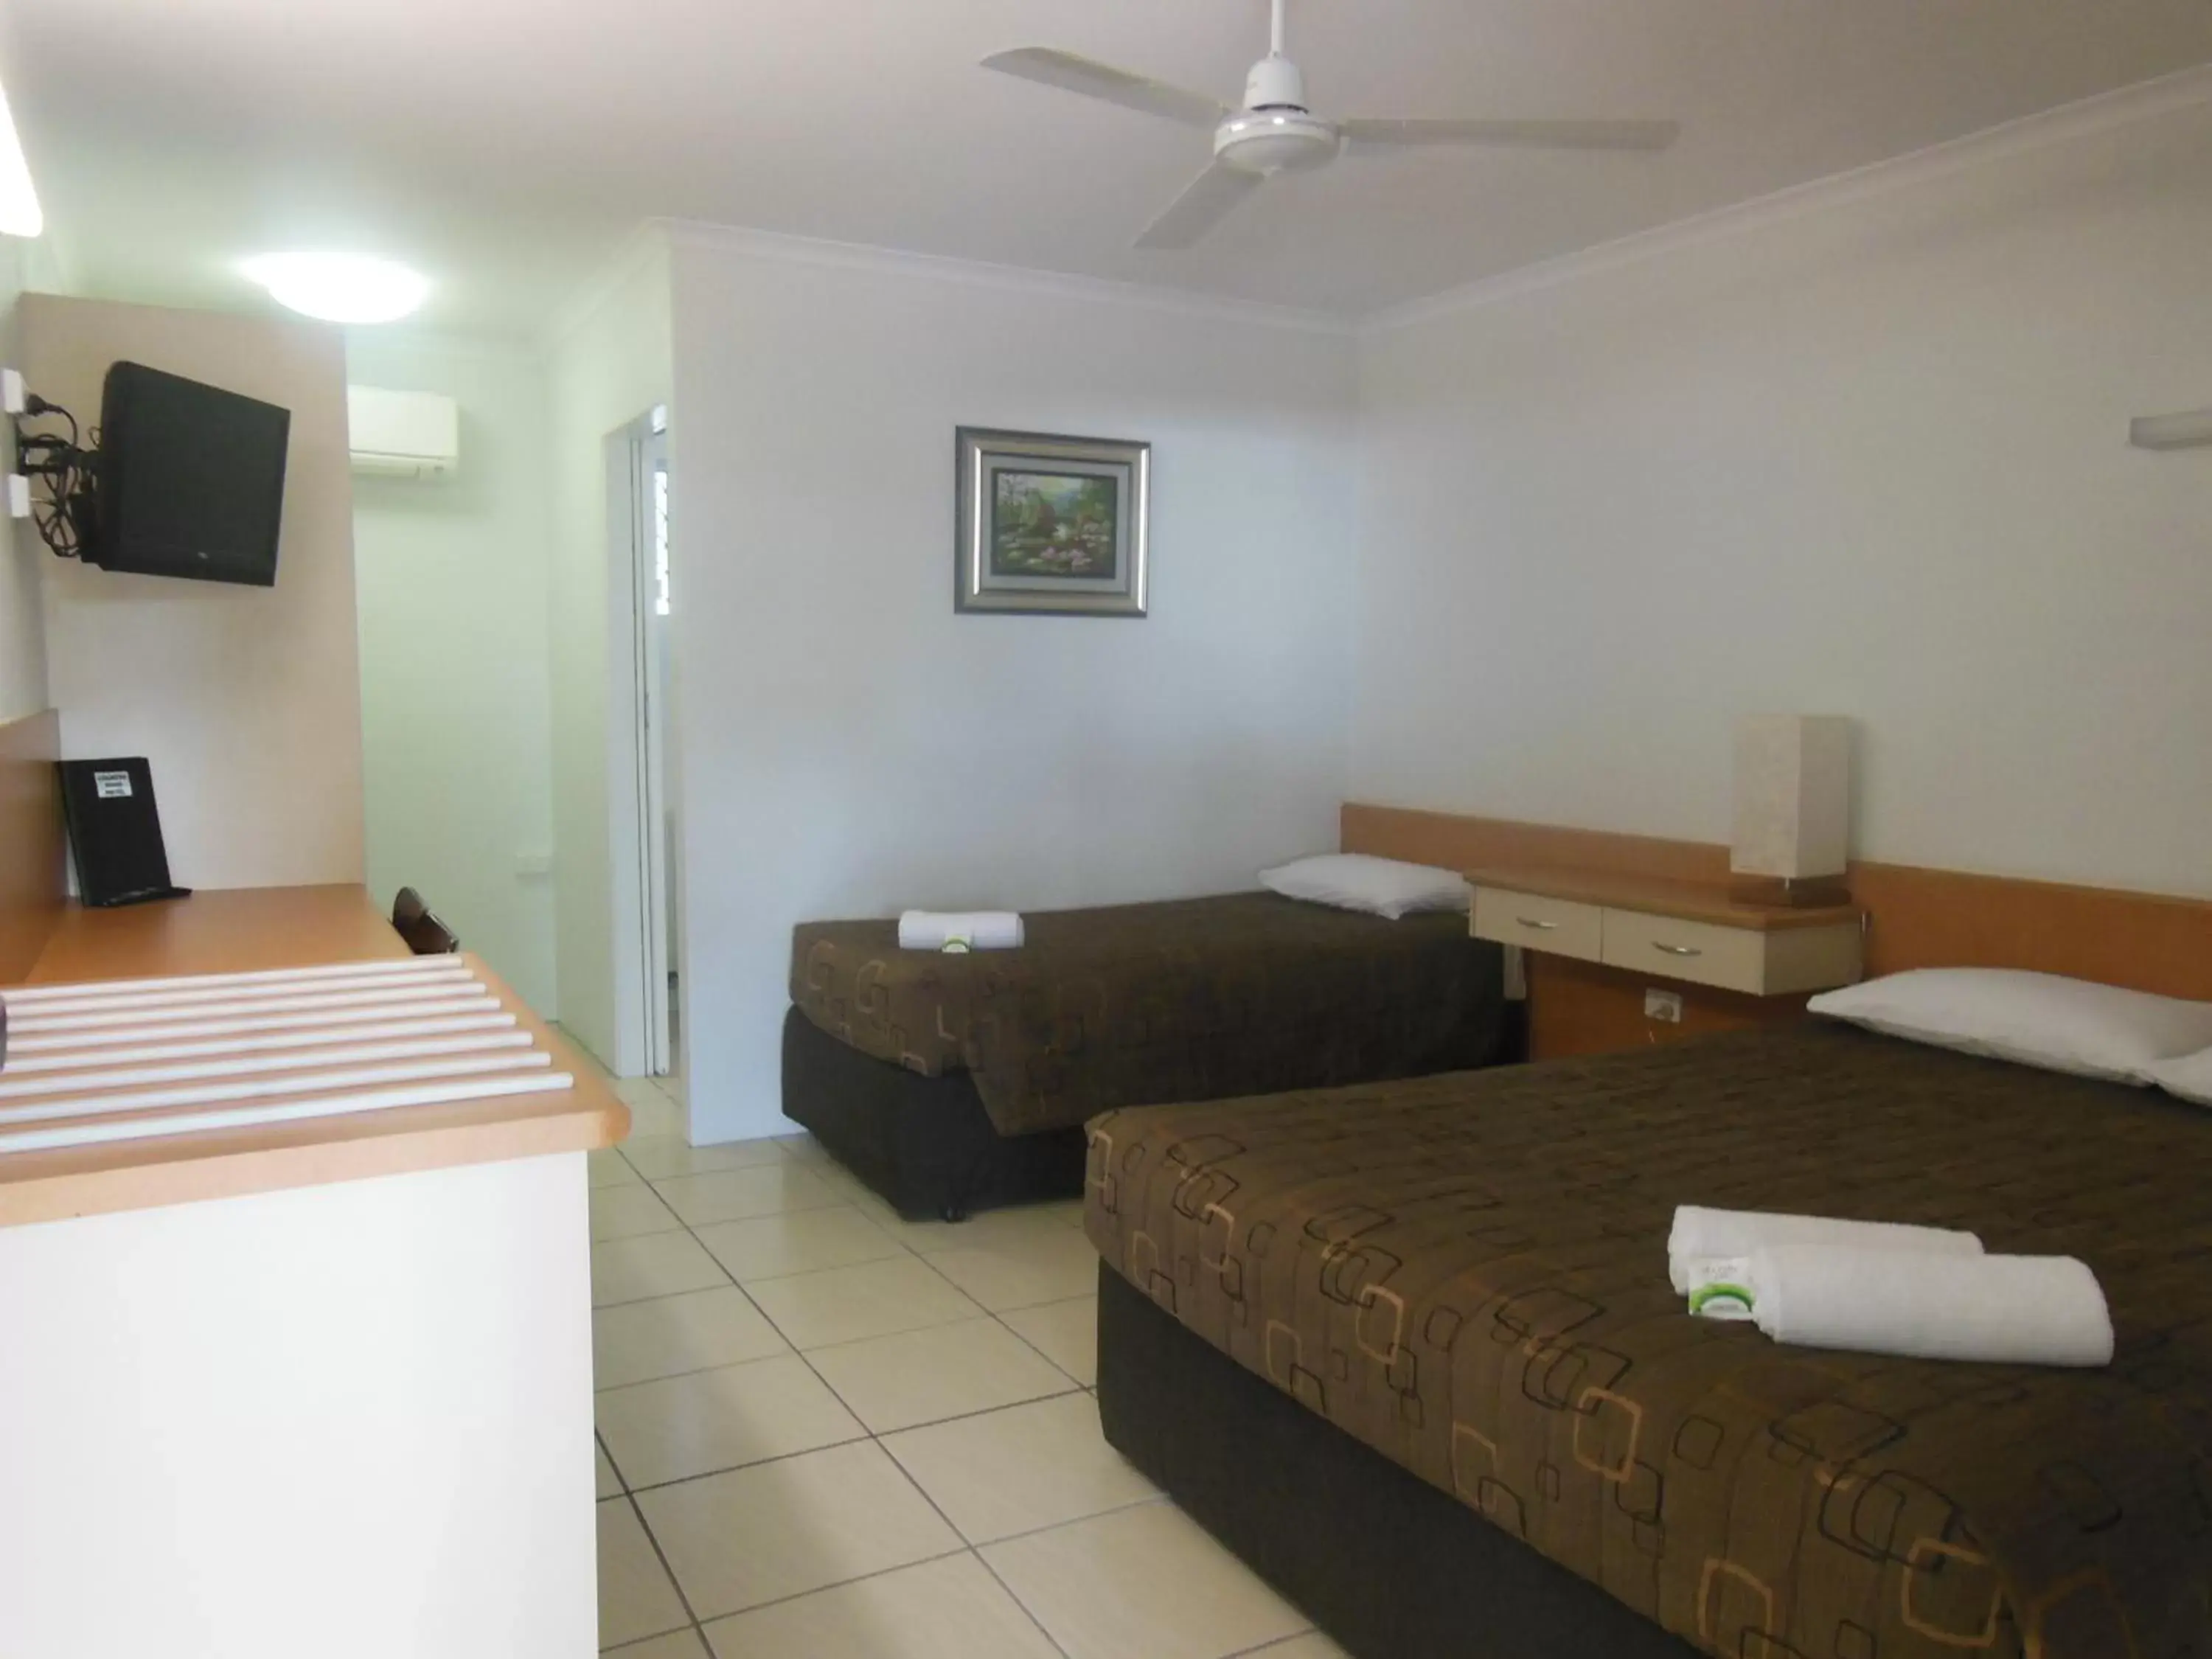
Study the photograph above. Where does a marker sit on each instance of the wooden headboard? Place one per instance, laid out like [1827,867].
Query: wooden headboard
[32,881]
[1918,918]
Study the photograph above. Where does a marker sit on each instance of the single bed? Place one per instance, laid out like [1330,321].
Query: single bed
[1410,1349]
[950,1082]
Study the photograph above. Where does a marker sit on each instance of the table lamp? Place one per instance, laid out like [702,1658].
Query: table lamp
[1791,844]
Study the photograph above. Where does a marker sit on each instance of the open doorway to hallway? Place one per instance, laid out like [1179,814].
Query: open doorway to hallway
[657,881]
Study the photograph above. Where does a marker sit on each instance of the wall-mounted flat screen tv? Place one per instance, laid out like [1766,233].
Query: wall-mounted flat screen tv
[191,479]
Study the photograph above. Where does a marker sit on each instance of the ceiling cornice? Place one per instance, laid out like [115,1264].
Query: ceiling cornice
[643,245]
[776,246]
[2147,100]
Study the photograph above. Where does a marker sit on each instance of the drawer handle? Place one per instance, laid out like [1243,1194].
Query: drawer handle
[1677,950]
[1541,927]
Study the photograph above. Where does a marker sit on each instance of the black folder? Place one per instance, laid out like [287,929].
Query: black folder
[115,832]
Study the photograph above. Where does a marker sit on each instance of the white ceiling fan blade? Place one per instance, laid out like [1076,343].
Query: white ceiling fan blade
[1070,73]
[1532,135]
[1210,198]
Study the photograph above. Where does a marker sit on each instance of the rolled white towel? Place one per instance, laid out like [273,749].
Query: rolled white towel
[1699,1232]
[2001,1310]
[960,930]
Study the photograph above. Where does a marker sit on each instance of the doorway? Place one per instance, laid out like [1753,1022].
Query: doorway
[659,920]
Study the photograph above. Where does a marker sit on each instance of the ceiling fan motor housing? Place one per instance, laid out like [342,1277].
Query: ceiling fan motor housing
[1275,132]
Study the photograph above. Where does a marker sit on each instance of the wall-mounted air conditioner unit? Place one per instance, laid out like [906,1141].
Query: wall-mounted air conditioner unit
[402,434]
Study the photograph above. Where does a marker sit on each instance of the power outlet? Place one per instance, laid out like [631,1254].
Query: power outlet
[1663,1005]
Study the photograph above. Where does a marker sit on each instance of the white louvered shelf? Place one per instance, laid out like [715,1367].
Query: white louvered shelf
[93,1064]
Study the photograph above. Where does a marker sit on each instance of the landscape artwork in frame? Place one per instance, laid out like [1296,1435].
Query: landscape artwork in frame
[1052,525]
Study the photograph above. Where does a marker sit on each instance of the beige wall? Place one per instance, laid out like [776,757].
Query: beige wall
[1863,456]
[246,699]
[23,626]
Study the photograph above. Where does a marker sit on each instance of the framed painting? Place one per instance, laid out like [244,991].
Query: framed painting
[1052,525]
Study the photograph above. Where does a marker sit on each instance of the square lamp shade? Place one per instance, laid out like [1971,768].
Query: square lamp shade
[1793,798]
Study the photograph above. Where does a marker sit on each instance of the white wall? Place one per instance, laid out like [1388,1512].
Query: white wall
[1868,458]
[247,699]
[22,625]
[451,576]
[851,746]
[609,366]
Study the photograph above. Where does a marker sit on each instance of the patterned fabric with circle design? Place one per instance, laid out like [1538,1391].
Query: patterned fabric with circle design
[1468,1273]
[1184,999]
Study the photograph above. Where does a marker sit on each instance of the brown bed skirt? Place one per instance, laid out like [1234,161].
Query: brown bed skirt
[1185,999]
[1387,1565]
[1468,1273]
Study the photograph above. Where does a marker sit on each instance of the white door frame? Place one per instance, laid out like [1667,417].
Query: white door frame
[637,467]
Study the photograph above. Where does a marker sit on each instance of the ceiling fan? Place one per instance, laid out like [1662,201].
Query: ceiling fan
[1275,133]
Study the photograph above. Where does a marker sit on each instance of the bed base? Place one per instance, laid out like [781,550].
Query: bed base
[1387,1565]
[925,1144]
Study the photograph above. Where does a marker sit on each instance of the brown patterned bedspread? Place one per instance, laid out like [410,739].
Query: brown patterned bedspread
[1186,1000]
[1470,1273]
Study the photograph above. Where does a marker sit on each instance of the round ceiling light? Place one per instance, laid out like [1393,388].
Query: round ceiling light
[340,288]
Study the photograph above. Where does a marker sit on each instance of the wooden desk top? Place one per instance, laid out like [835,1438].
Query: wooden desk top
[233,930]
[1689,900]
[245,930]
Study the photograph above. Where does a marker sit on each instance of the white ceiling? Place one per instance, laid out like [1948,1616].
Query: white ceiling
[506,145]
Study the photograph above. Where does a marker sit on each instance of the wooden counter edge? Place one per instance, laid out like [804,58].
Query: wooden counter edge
[142,1175]
[1686,900]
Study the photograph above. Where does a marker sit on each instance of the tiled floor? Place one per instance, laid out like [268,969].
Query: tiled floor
[828,1433]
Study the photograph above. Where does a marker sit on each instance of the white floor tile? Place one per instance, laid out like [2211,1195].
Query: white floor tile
[986,1229]
[1312,1645]
[946,1371]
[682,1426]
[637,1341]
[609,1483]
[845,1304]
[653,1111]
[1020,1469]
[608,1167]
[797,1242]
[664,1156]
[1065,1333]
[947,1609]
[1141,1584]
[805,1148]
[803,1524]
[736,1194]
[655,1264]
[683,1644]
[635,1598]
[1052,1264]
[629,1212]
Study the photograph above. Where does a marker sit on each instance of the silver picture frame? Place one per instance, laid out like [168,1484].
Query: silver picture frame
[1051,525]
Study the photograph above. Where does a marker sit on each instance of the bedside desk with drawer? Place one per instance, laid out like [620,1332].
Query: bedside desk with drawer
[1763,961]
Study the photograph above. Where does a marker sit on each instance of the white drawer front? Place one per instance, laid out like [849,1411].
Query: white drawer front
[1559,926]
[1734,958]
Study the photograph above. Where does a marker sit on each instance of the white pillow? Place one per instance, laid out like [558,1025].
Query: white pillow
[2038,1019]
[2190,1077]
[1383,887]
